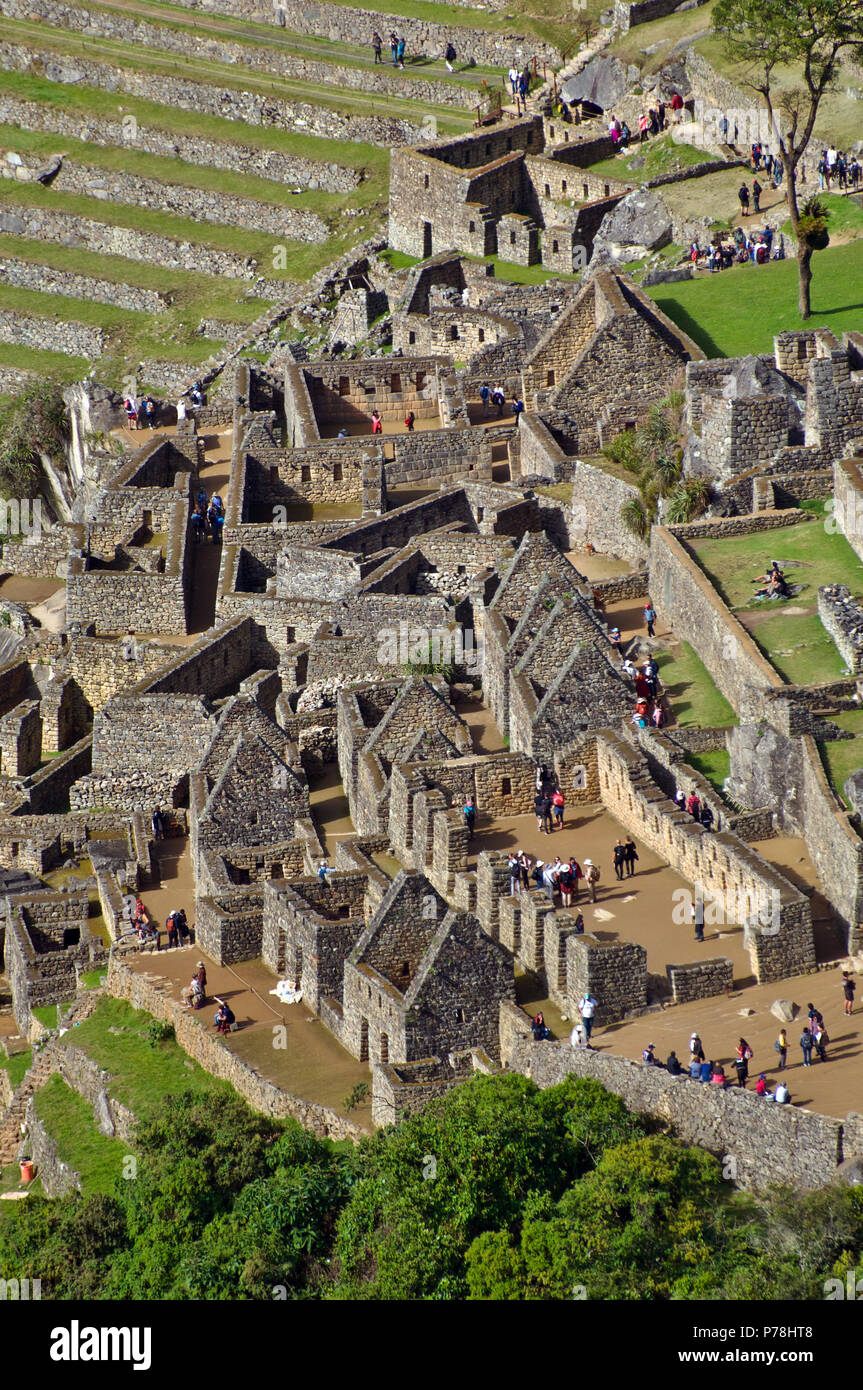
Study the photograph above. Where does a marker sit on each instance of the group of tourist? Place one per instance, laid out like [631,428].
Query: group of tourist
[651,122]
[145,412]
[208,517]
[496,396]
[519,80]
[835,165]
[754,246]
[194,994]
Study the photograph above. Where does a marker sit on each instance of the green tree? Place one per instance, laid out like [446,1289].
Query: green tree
[791,53]
[33,423]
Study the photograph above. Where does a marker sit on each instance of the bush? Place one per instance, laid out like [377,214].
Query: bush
[159,1032]
[34,423]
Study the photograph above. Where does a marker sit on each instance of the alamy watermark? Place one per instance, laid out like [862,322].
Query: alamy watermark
[759,908]
[407,644]
[21,516]
[741,126]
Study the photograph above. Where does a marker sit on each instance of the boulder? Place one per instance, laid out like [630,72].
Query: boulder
[784,1010]
[602,82]
[667,275]
[639,224]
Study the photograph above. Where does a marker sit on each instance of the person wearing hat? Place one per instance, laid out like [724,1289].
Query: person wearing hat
[591,875]
[648,1056]
[761,1085]
[587,1006]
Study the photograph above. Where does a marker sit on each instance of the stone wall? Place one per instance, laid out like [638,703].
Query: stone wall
[33,275]
[842,617]
[191,149]
[215,1056]
[597,499]
[701,980]
[76,339]
[58,1178]
[771,1143]
[230,103]
[46,224]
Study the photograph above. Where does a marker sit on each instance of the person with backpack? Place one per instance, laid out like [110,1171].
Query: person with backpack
[591,877]
[693,805]
[742,1060]
[131,413]
[743,195]
[485,397]
[171,929]
[542,807]
[557,807]
[757,190]
[565,883]
[781,1046]
[409,422]
[587,1006]
[469,813]
[184,931]
[821,1040]
[848,988]
[806,1047]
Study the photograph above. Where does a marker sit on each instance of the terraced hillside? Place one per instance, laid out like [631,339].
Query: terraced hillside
[210,163]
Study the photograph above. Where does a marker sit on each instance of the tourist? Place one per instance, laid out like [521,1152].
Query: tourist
[158,824]
[657,717]
[693,805]
[131,413]
[706,1071]
[542,806]
[449,56]
[743,195]
[171,929]
[680,799]
[184,931]
[577,1037]
[806,1046]
[513,79]
[577,873]
[742,1060]
[660,114]
[757,190]
[848,989]
[782,1095]
[557,807]
[193,995]
[649,617]
[578,929]
[696,1050]
[400,53]
[485,397]
[517,408]
[781,1046]
[199,525]
[225,1018]
[672,1065]
[409,422]
[377,422]
[642,687]
[549,880]
[717,1076]
[619,858]
[707,818]
[815,1017]
[150,411]
[196,395]
[587,1006]
[676,105]
[695,1069]
[630,855]
[565,882]
[819,1034]
[540,1029]
[377,46]
[513,864]
[469,813]
[394,47]
[698,917]
[642,127]
[648,1056]
[142,413]
[217,525]
[181,411]
[591,877]
[498,395]
[761,1085]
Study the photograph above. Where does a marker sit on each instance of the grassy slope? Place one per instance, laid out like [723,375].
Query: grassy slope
[142,1074]
[740,310]
[693,694]
[68,1118]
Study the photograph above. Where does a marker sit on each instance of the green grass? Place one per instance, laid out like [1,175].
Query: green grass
[794,642]
[92,979]
[656,156]
[46,1014]
[719,311]
[522,274]
[17,1065]
[142,1075]
[715,766]
[841,757]
[691,691]
[399,260]
[852,720]
[69,1121]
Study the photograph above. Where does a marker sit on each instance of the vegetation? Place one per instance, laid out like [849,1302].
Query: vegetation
[17,1066]
[809,36]
[32,424]
[653,454]
[68,1119]
[693,693]
[495,1191]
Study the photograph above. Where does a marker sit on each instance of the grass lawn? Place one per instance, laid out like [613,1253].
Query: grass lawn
[791,635]
[694,698]
[715,766]
[841,757]
[69,1120]
[17,1066]
[852,720]
[740,310]
[46,1014]
[142,1074]
[657,156]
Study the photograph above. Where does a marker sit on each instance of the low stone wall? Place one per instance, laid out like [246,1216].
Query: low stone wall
[44,224]
[58,1179]
[91,1081]
[54,335]
[30,275]
[701,980]
[842,617]
[597,499]
[625,15]
[215,1057]
[230,103]
[770,1143]
[277,62]
[201,204]
[217,154]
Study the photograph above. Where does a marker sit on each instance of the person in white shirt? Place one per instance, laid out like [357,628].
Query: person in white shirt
[181,410]
[781,1094]
[513,79]
[587,1009]
[577,1037]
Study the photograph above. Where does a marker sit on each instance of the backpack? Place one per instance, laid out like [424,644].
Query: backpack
[777,1047]
[593,875]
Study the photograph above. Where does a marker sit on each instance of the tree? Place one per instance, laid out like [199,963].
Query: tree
[34,423]
[769,37]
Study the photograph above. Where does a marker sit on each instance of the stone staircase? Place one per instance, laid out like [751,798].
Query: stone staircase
[10,1126]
